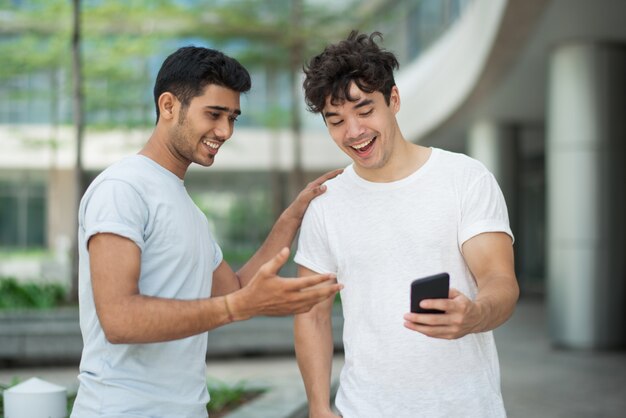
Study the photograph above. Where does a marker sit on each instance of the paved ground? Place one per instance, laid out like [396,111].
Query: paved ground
[537,380]
[541,381]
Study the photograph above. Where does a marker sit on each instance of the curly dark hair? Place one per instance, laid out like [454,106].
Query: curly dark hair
[357,59]
[188,70]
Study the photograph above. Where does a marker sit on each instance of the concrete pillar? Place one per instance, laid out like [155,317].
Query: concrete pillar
[495,145]
[586,195]
[62,221]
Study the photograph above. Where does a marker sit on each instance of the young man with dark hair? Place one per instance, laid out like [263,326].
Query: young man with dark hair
[152,278]
[400,211]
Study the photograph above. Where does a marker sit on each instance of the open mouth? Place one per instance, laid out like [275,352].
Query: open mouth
[365,146]
[212,146]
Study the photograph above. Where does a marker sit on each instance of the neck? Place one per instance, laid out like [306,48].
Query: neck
[157,150]
[407,158]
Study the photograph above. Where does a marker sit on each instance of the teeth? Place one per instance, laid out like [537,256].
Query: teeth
[211,144]
[362,145]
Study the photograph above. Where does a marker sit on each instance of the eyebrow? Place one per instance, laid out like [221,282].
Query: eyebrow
[224,109]
[362,103]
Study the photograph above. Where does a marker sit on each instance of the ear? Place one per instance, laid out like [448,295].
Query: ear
[168,104]
[394,99]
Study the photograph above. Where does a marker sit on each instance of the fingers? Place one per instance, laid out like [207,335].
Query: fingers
[306,282]
[271,267]
[317,187]
[308,298]
[327,176]
[426,319]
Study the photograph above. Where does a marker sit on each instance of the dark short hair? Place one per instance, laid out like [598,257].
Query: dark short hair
[357,59]
[187,71]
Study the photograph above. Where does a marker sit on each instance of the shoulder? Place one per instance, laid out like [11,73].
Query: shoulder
[123,178]
[460,166]
[336,188]
[458,160]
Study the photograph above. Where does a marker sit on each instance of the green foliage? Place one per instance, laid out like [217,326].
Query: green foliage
[228,396]
[241,221]
[337,300]
[16,295]
[249,220]
[122,42]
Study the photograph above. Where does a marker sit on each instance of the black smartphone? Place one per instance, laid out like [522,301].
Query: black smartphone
[432,287]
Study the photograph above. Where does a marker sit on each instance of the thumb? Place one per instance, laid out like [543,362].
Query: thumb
[453,293]
[271,267]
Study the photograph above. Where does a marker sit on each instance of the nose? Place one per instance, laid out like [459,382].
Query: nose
[223,129]
[354,129]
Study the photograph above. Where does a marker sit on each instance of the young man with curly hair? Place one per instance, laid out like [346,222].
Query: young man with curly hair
[400,211]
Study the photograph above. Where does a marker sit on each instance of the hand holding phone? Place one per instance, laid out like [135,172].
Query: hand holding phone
[431,287]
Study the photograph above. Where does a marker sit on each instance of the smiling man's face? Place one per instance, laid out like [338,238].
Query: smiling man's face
[365,128]
[204,126]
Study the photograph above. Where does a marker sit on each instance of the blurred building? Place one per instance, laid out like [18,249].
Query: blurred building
[536,89]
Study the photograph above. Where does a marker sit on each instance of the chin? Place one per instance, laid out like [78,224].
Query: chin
[205,163]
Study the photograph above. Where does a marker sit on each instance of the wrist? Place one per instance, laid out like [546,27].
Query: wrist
[229,312]
[319,411]
[290,218]
[482,316]
[237,307]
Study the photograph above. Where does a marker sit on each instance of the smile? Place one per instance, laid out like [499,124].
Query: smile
[363,146]
[210,144]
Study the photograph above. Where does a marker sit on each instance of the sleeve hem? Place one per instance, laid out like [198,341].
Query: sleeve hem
[304,262]
[482,227]
[114,228]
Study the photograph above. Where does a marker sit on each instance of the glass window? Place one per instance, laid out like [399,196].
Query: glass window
[23,209]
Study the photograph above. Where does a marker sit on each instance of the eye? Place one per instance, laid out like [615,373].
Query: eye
[232,119]
[215,115]
[337,123]
[367,113]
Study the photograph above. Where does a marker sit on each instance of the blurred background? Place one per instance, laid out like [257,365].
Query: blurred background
[535,89]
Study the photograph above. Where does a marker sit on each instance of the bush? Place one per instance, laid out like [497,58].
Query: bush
[17,295]
[226,397]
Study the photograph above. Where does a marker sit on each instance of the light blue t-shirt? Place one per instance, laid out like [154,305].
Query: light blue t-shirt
[142,201]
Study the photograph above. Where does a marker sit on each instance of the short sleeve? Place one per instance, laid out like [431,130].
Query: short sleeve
[115,207]
[483,209]
[313,249]
[218,256]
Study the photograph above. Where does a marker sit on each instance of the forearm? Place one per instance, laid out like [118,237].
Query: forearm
[286,227]
[145,319]
[314,353]
[496,301]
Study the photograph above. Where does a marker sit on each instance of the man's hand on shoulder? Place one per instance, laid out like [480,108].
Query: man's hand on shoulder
[295,211]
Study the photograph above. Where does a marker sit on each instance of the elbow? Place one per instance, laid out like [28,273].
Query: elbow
[114,331]
[114,335]
[515,291]
[116,338]
[318,317]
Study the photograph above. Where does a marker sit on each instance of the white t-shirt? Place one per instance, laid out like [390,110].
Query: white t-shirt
[377,238]
[142,201]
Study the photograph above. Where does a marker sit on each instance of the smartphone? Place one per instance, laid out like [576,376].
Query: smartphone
[431,287]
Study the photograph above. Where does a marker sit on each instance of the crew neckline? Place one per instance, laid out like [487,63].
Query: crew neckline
[161,169]
[371,185]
